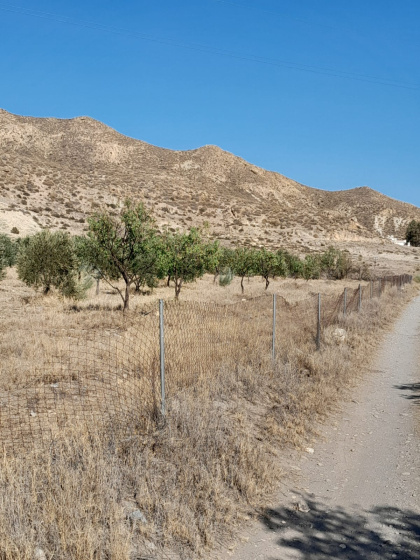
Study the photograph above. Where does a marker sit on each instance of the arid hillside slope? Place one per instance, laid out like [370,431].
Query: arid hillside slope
[54,173]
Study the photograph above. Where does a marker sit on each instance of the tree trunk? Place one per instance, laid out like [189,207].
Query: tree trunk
[127,297]
[178,284]
[242,284]
[97,286]
[169,280]
[267,282]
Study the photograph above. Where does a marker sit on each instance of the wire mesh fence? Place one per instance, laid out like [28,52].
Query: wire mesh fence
[116,376]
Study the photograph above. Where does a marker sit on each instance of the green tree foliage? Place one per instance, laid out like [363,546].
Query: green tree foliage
[8,251]
[244,263]
[188,257]
[225,266]
[3,266]
[344,265]
[124,247]
[335,263]
[48,260]
[294,265]
[150,263]
[220,258]
[311,267]
[412,234]
[269,265]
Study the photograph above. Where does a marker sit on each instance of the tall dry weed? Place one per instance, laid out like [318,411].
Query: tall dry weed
[210,465]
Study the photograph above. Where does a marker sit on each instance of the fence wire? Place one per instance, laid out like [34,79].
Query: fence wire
[111,377]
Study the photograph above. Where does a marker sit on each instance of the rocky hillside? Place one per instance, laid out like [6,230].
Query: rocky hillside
[54,173]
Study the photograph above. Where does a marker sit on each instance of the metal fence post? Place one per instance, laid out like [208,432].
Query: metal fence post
[318,329]
[360,297]
[274,328]
[162,358]
[345,303]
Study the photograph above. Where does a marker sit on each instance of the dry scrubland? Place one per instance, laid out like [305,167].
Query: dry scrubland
[218,456]
[56,172]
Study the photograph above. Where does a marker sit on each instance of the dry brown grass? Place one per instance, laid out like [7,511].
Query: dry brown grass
[217,456]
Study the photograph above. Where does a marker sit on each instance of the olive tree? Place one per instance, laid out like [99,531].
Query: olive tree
[244,263]
[311,267]
[269,265]
[123,247]
[48,259]
[335,263]
[188,257]
[8,249]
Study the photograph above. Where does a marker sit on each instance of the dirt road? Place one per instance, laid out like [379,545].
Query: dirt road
[358,494]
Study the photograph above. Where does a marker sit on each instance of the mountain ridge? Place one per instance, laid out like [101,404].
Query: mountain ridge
[55,172]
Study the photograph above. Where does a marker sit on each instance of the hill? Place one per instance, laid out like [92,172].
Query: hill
[55,172]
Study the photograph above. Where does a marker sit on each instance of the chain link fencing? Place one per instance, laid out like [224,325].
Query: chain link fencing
[120,376]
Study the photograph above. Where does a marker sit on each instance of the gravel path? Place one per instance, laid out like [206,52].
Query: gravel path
[358,493]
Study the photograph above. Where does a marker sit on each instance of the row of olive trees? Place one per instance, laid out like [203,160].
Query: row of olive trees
[130,247]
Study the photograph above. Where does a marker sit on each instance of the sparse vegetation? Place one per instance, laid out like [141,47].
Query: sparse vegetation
[210,466]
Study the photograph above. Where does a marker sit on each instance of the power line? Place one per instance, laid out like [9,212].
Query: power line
[335,73]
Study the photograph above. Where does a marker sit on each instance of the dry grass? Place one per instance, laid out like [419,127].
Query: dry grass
[217,457]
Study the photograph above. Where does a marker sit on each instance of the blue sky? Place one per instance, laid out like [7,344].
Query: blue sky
[260,78]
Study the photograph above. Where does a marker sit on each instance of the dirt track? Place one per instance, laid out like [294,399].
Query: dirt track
[358,494]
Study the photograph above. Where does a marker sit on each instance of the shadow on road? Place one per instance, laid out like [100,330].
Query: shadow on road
[414,388]
[325,533]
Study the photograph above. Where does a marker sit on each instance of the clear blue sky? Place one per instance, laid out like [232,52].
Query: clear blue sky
[259,78]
